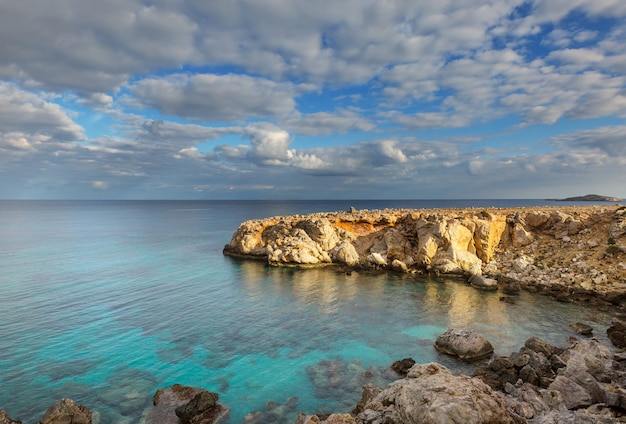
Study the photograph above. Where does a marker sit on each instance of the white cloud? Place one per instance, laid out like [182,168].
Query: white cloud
[23,111]
[211,97]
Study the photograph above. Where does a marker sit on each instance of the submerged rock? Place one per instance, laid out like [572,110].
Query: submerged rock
[582,329]
[465,344]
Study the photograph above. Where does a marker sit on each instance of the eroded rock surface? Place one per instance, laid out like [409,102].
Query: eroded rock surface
[571,253]
[66,411]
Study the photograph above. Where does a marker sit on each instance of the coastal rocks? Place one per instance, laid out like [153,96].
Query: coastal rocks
[582,329]
[330,419]
[185,405]
[541,378]
[403,366]
[430,394]
[66,411]
[5,419]
[483,283]
[617,333]
[562,253]
[465,344]
[345,253]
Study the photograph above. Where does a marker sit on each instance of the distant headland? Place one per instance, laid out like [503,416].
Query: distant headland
[589,198]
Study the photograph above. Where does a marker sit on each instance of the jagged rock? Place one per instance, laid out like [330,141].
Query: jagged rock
[203,408]
[5,419]
[321,231]
[430,394]
[403,366]
[571,417]
[540,346]
[195,406]
[466,344]
[66,411]
[582,329]
[459,242]
[617,333]
[574,395]
[296,248]
[368,393]
[483,283]
[331,419]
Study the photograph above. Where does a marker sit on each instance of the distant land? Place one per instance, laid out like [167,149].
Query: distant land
[588,198]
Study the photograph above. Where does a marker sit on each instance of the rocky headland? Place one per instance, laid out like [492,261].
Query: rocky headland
[573,253]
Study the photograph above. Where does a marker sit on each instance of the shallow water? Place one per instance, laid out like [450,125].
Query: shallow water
[104,302]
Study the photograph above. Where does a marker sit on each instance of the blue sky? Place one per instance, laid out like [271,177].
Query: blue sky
[300,99]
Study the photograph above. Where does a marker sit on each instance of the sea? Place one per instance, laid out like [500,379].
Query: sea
[105,302]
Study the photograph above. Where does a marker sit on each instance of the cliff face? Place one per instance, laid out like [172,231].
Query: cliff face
[579,247]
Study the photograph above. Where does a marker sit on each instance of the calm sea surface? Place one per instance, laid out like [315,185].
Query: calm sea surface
[104,302]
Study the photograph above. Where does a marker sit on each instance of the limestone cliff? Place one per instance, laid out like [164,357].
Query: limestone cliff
[582,248]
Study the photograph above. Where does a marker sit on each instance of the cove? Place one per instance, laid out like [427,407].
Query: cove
[106,303]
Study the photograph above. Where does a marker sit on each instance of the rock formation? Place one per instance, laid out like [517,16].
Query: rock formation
[66,411]
[5,419]
[541,383]
[185,405]
[572,252]
[467,345]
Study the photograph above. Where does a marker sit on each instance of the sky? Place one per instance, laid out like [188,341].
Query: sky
[312,99]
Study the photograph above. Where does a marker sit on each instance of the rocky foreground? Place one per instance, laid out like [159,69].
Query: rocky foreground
[575,253]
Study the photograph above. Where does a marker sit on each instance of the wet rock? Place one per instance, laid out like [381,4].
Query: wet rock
[483,283]
[5,419]
[430,394]
[540,346]
[617,333]
[66,411]
[403,366]
[582,329]
[195,406]
[465,344]
[202,409]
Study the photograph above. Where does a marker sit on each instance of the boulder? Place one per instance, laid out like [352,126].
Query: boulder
[202,408]
[195,406]
[345,253]
[430,394]
[483,283]
[465,344]
[574,395]
[617,333]
[582,329]
[66,411]
[4,418]
[403,366]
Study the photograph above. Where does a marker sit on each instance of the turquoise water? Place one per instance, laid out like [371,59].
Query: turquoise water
[104,302]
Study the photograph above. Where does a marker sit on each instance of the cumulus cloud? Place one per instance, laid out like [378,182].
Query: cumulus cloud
[23,111]
[211,97]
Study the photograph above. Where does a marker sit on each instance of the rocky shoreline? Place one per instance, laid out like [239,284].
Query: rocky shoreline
[572,253]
